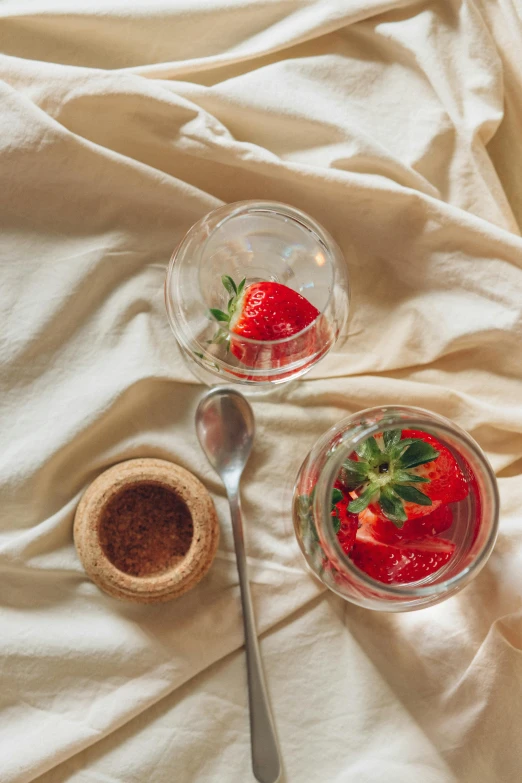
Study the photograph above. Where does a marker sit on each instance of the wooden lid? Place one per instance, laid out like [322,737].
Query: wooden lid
[173,581]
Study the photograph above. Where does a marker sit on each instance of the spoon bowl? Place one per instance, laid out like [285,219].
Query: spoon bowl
[225,427]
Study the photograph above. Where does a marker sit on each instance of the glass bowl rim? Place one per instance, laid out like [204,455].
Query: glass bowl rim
[179,326]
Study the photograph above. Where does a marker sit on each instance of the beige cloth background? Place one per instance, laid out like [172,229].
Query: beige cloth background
[398,125]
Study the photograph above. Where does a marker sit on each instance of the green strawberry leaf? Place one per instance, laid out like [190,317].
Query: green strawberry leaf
[229,284]
[219,315]
[364,499]
[391,438]
[241,286]
[369,451]
[353,473]
[337,496]
[336,524]
[400,447]
[418,453]
[412,495]
[403,477]
[391,507]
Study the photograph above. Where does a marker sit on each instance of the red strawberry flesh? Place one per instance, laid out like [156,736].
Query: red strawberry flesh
[391,555]
[403,562]
[271,311]
[421,527]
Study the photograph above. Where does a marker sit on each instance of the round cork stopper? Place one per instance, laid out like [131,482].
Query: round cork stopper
[100,542]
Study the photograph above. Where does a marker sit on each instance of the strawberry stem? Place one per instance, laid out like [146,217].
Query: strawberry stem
[235,292]
[229,284]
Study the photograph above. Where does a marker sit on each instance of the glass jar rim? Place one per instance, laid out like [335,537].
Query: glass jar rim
[416,420]
[179,326]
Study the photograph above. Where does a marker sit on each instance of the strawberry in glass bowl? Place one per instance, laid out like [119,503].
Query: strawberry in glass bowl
[268,325]
[414,515]
[256,293]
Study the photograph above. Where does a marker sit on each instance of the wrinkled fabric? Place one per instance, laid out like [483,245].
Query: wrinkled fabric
[396,124]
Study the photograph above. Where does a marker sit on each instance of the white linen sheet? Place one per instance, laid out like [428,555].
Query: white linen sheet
[398,125]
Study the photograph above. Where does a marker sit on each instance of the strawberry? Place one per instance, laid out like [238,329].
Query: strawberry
[403,562]
[264,312]
[384,469]
[399,560]
[390,555]
[422,527]
[446,480]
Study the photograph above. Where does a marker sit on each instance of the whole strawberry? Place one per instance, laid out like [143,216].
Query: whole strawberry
[403,475]
[264,312]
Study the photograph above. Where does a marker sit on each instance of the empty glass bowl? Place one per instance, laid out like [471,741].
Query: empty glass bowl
[254,242]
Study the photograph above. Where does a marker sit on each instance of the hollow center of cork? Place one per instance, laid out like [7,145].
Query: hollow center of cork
[145,529]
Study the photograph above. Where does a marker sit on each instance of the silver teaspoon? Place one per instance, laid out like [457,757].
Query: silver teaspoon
[225,427]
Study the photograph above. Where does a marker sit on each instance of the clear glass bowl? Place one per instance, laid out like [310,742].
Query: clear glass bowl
[256,241]
[473,531]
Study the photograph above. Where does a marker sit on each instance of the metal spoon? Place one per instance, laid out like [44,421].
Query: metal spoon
[225,427]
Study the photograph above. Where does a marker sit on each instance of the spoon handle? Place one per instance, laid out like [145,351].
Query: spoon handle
[266,763]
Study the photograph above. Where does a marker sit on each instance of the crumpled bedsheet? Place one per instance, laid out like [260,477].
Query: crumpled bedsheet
[396,124]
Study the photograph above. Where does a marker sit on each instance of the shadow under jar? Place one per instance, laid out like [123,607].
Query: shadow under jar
[253,243]
[446,547]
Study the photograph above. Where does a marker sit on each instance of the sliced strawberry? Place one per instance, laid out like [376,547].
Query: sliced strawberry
[396,559]
[264,312]
[422,527]
[403,562]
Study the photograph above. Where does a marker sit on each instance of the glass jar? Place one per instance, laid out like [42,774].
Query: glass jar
[251,242]
[473,530]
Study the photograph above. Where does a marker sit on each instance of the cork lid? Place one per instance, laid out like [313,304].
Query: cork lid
[146,530]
